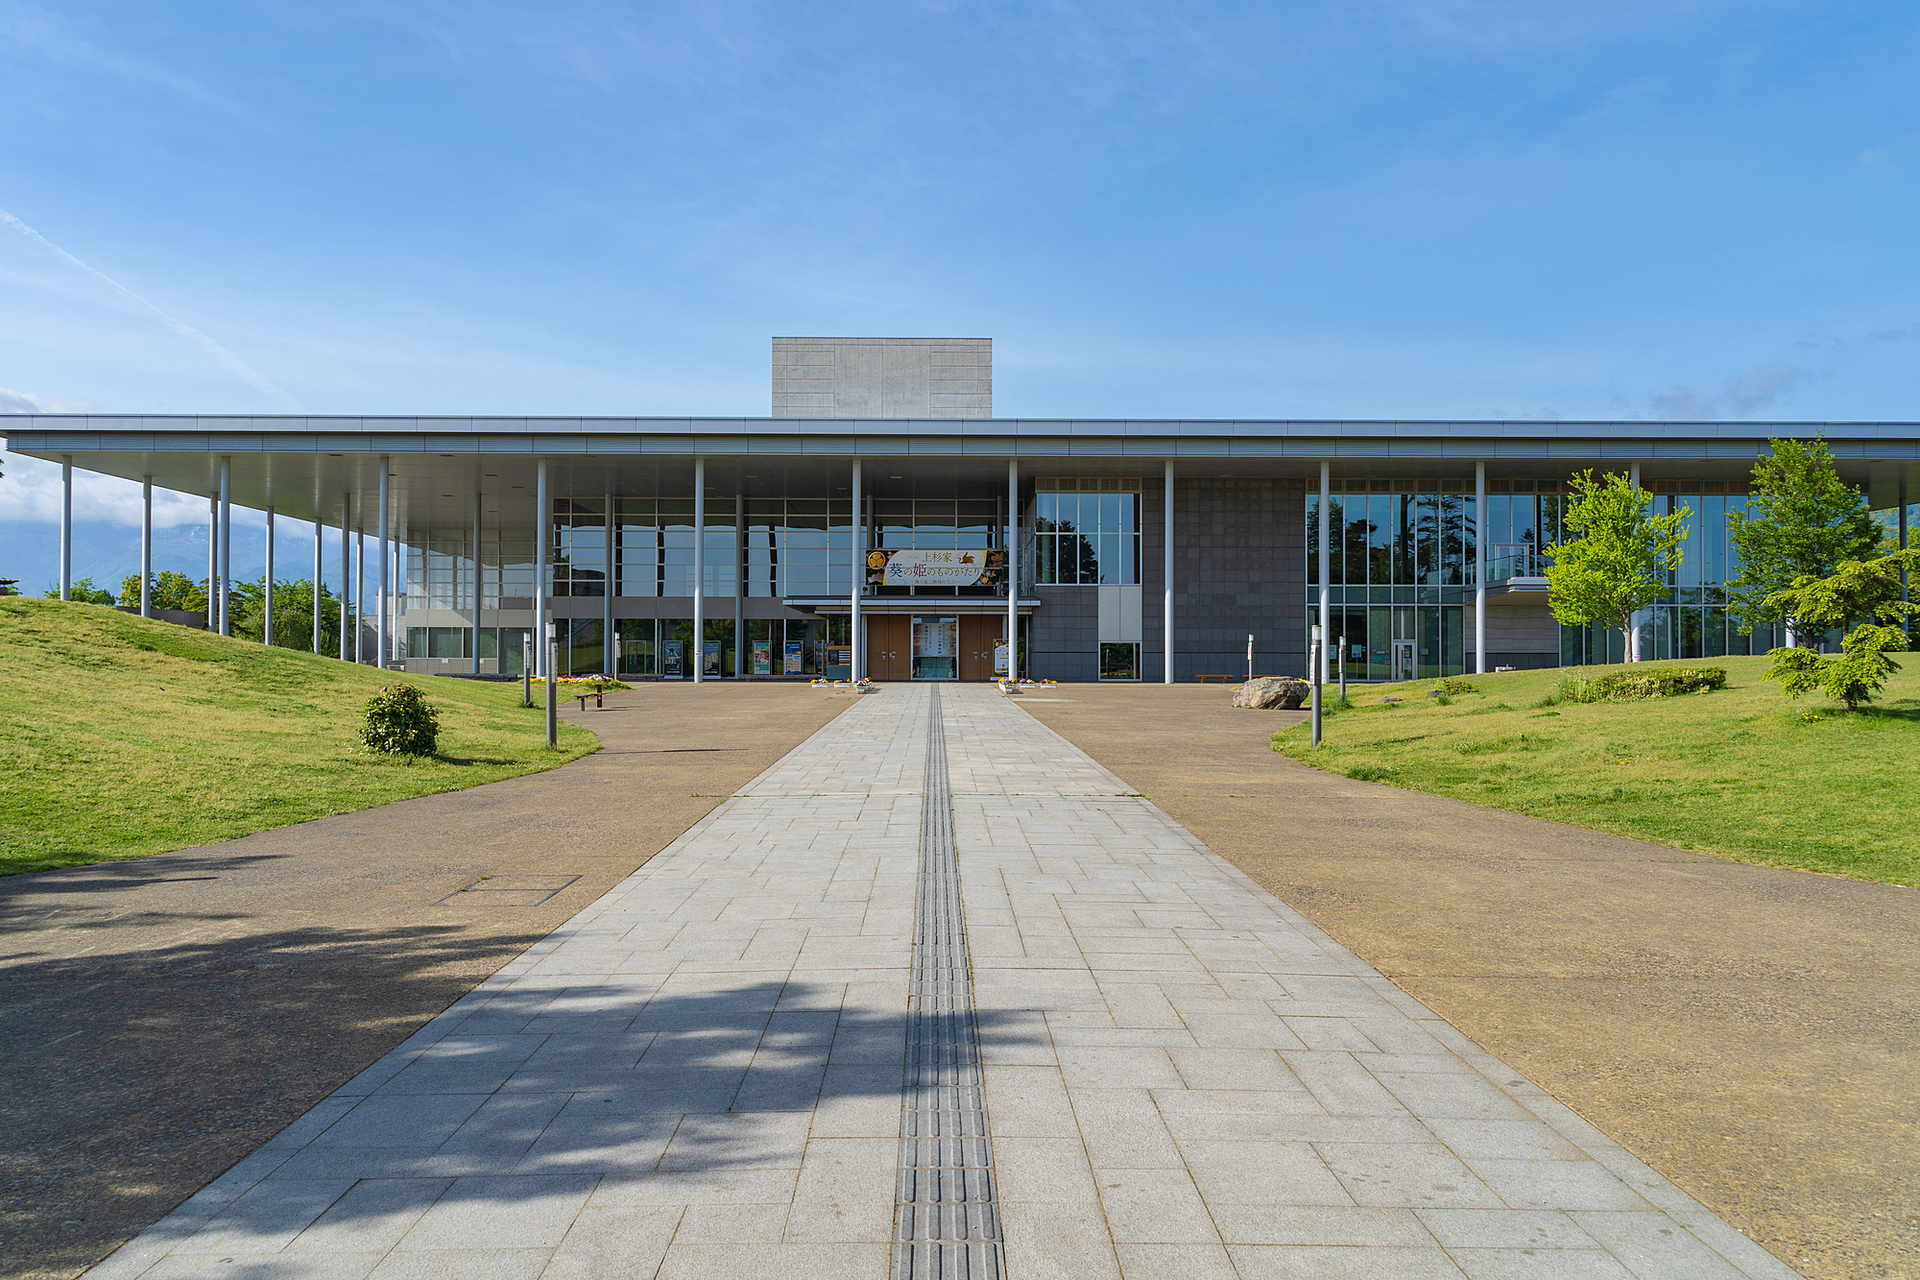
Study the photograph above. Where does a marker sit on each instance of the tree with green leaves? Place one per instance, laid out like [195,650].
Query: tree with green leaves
[292,614]
[83,591]
[1620,562]
[1802,520]
[1866,592]
[170,589]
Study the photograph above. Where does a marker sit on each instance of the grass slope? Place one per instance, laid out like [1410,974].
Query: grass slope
[1741,772]
[121,737]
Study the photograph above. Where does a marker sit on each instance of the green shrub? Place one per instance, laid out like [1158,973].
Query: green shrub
[1628,686]
[1453,687]
[399,722]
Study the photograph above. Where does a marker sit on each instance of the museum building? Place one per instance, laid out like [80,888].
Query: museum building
[881,522]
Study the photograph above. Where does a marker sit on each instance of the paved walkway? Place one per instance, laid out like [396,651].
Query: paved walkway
[1751,1032]
[167,1015]
[701,1074]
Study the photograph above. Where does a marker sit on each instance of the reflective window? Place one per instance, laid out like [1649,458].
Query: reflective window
[1087,531]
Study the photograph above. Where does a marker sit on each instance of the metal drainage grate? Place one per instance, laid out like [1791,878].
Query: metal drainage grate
[945,1224]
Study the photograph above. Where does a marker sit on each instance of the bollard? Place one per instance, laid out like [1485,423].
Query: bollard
[553,691]
[526,671]
[1319,668]
[1343,671]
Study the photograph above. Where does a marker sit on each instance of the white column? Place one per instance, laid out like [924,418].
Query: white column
[146,546]
[213,556]
[66,526]
[1633,650]
[1166,573]
[359,578]
[1480,568]
[542,537]
[1012,568]
[319,569]
[607,661]
[226,543]
[479,505]
[383,586]
[854,648]
[1326,566]
[699,570]
[1906,624]
[266,599]
[741,655]
[346,568]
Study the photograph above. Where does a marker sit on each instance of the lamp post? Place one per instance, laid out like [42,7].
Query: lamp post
[553,687]
[1318,667]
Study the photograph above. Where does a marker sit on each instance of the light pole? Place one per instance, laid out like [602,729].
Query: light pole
[553,687]
[1318,664]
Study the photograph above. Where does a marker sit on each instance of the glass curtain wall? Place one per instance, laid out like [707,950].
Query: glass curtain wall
[1086,531]
[799,546]
[774,646]
[1400,564]
[936,524]
[440,570]
[1405,550]
[1694,621]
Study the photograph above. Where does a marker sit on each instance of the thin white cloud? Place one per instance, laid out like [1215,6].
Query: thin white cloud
[30,494]
[27,402]
[232,363]
[1743,396]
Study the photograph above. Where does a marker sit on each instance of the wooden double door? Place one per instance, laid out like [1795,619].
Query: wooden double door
[890,645]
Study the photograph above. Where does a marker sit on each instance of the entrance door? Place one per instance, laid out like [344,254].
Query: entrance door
[936,648]
[888,656]
[1402,660]
[979,633]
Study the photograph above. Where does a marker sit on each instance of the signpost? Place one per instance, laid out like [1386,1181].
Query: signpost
[1249,657]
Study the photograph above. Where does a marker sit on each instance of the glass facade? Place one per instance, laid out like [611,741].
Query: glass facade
[1401,565]
[1693,622]
[937,524]
[1400,568]
[792,546]
[1086,532]
[440,570]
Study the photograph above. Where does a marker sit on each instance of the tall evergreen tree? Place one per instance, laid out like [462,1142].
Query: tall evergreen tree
[1801,521]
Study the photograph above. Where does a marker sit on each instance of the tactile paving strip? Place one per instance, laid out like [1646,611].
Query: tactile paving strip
[945,1225]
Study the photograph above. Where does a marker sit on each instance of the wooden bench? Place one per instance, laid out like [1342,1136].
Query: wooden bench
[1221,679]
[599,701]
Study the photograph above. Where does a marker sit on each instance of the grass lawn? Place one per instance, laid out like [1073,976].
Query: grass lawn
[1741,772]
[121,737]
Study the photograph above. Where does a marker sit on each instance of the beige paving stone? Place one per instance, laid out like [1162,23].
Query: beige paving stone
[700,1074]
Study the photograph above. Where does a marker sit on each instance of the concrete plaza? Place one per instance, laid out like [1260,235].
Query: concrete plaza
[702,1073]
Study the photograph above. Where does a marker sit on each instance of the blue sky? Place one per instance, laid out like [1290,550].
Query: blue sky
[1678,209]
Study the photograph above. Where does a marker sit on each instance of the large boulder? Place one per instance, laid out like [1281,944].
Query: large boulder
[1273,693]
